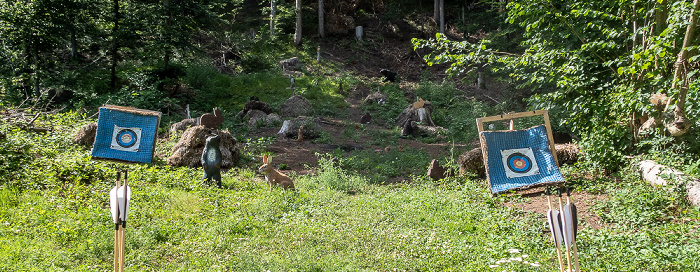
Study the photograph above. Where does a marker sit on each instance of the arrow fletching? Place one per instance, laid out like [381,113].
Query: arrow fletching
[571,216]
[554,219]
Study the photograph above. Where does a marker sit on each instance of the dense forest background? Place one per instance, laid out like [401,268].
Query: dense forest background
[619,75]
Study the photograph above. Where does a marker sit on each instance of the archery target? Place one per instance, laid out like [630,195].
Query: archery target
[519,162]
[126,139]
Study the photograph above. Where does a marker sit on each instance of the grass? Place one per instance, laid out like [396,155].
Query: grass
[54,216]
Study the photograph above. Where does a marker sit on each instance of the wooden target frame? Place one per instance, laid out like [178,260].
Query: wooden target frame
[543,146]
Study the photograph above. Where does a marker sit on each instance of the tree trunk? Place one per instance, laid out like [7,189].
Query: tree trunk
[320,19]
[73,44]
[660,17]
[436,10]
[168,38]
[656,174]
[679,123]
[115,48]
[35,52]
[442,16]
[272,18]
[297,33]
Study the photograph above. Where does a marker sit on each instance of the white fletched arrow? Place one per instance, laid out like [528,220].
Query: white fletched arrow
[554,219]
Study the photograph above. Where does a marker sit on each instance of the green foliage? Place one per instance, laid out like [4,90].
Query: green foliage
[391,164]
[591,68]
[332,177]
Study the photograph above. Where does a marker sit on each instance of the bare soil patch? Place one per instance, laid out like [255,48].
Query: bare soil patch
[536,202]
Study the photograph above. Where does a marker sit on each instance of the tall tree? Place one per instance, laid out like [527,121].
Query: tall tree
[680,124]
[115,46]
[320,19]
[297,32]
[273,10]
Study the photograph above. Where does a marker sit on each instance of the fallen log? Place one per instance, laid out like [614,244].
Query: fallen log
[660,175]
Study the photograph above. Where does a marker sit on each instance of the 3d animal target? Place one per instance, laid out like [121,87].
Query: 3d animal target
[125,134]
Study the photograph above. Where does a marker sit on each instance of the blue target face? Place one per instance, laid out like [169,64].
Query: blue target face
[519,163]
[126,138]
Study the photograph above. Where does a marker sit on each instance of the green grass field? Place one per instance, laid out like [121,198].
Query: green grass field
[54,216]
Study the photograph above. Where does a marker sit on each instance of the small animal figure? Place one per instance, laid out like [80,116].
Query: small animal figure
[366,119]
[401,148]
[211,120]
[211,160]
[419,103]
[300,136]
[388,75]
[274,177]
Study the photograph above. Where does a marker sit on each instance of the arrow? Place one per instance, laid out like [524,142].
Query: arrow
[564,227]
[555,229]
[114,209]
[571,218]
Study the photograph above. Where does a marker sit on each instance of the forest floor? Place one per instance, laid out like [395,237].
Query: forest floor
[397,54]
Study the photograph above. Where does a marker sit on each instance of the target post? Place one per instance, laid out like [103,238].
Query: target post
[126,135]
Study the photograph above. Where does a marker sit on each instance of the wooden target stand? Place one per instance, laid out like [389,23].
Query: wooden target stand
[124,135]
[511,118]
[563,223]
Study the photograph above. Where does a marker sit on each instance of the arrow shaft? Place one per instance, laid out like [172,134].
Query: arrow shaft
[565,233]
[553,228]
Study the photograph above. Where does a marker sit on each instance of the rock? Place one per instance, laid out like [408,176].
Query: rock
[255,118]
[311,128]
[257,105]
[182,125]
[86,135]
[296,106]
[258,118]
[472,161]
[437,172]
[188,150]
[273,119]
[291,64]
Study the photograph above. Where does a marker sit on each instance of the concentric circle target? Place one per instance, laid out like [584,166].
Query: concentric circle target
[126,138]
[519,163]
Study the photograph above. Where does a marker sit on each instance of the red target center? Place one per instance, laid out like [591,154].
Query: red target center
[519,163]
[126,137]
